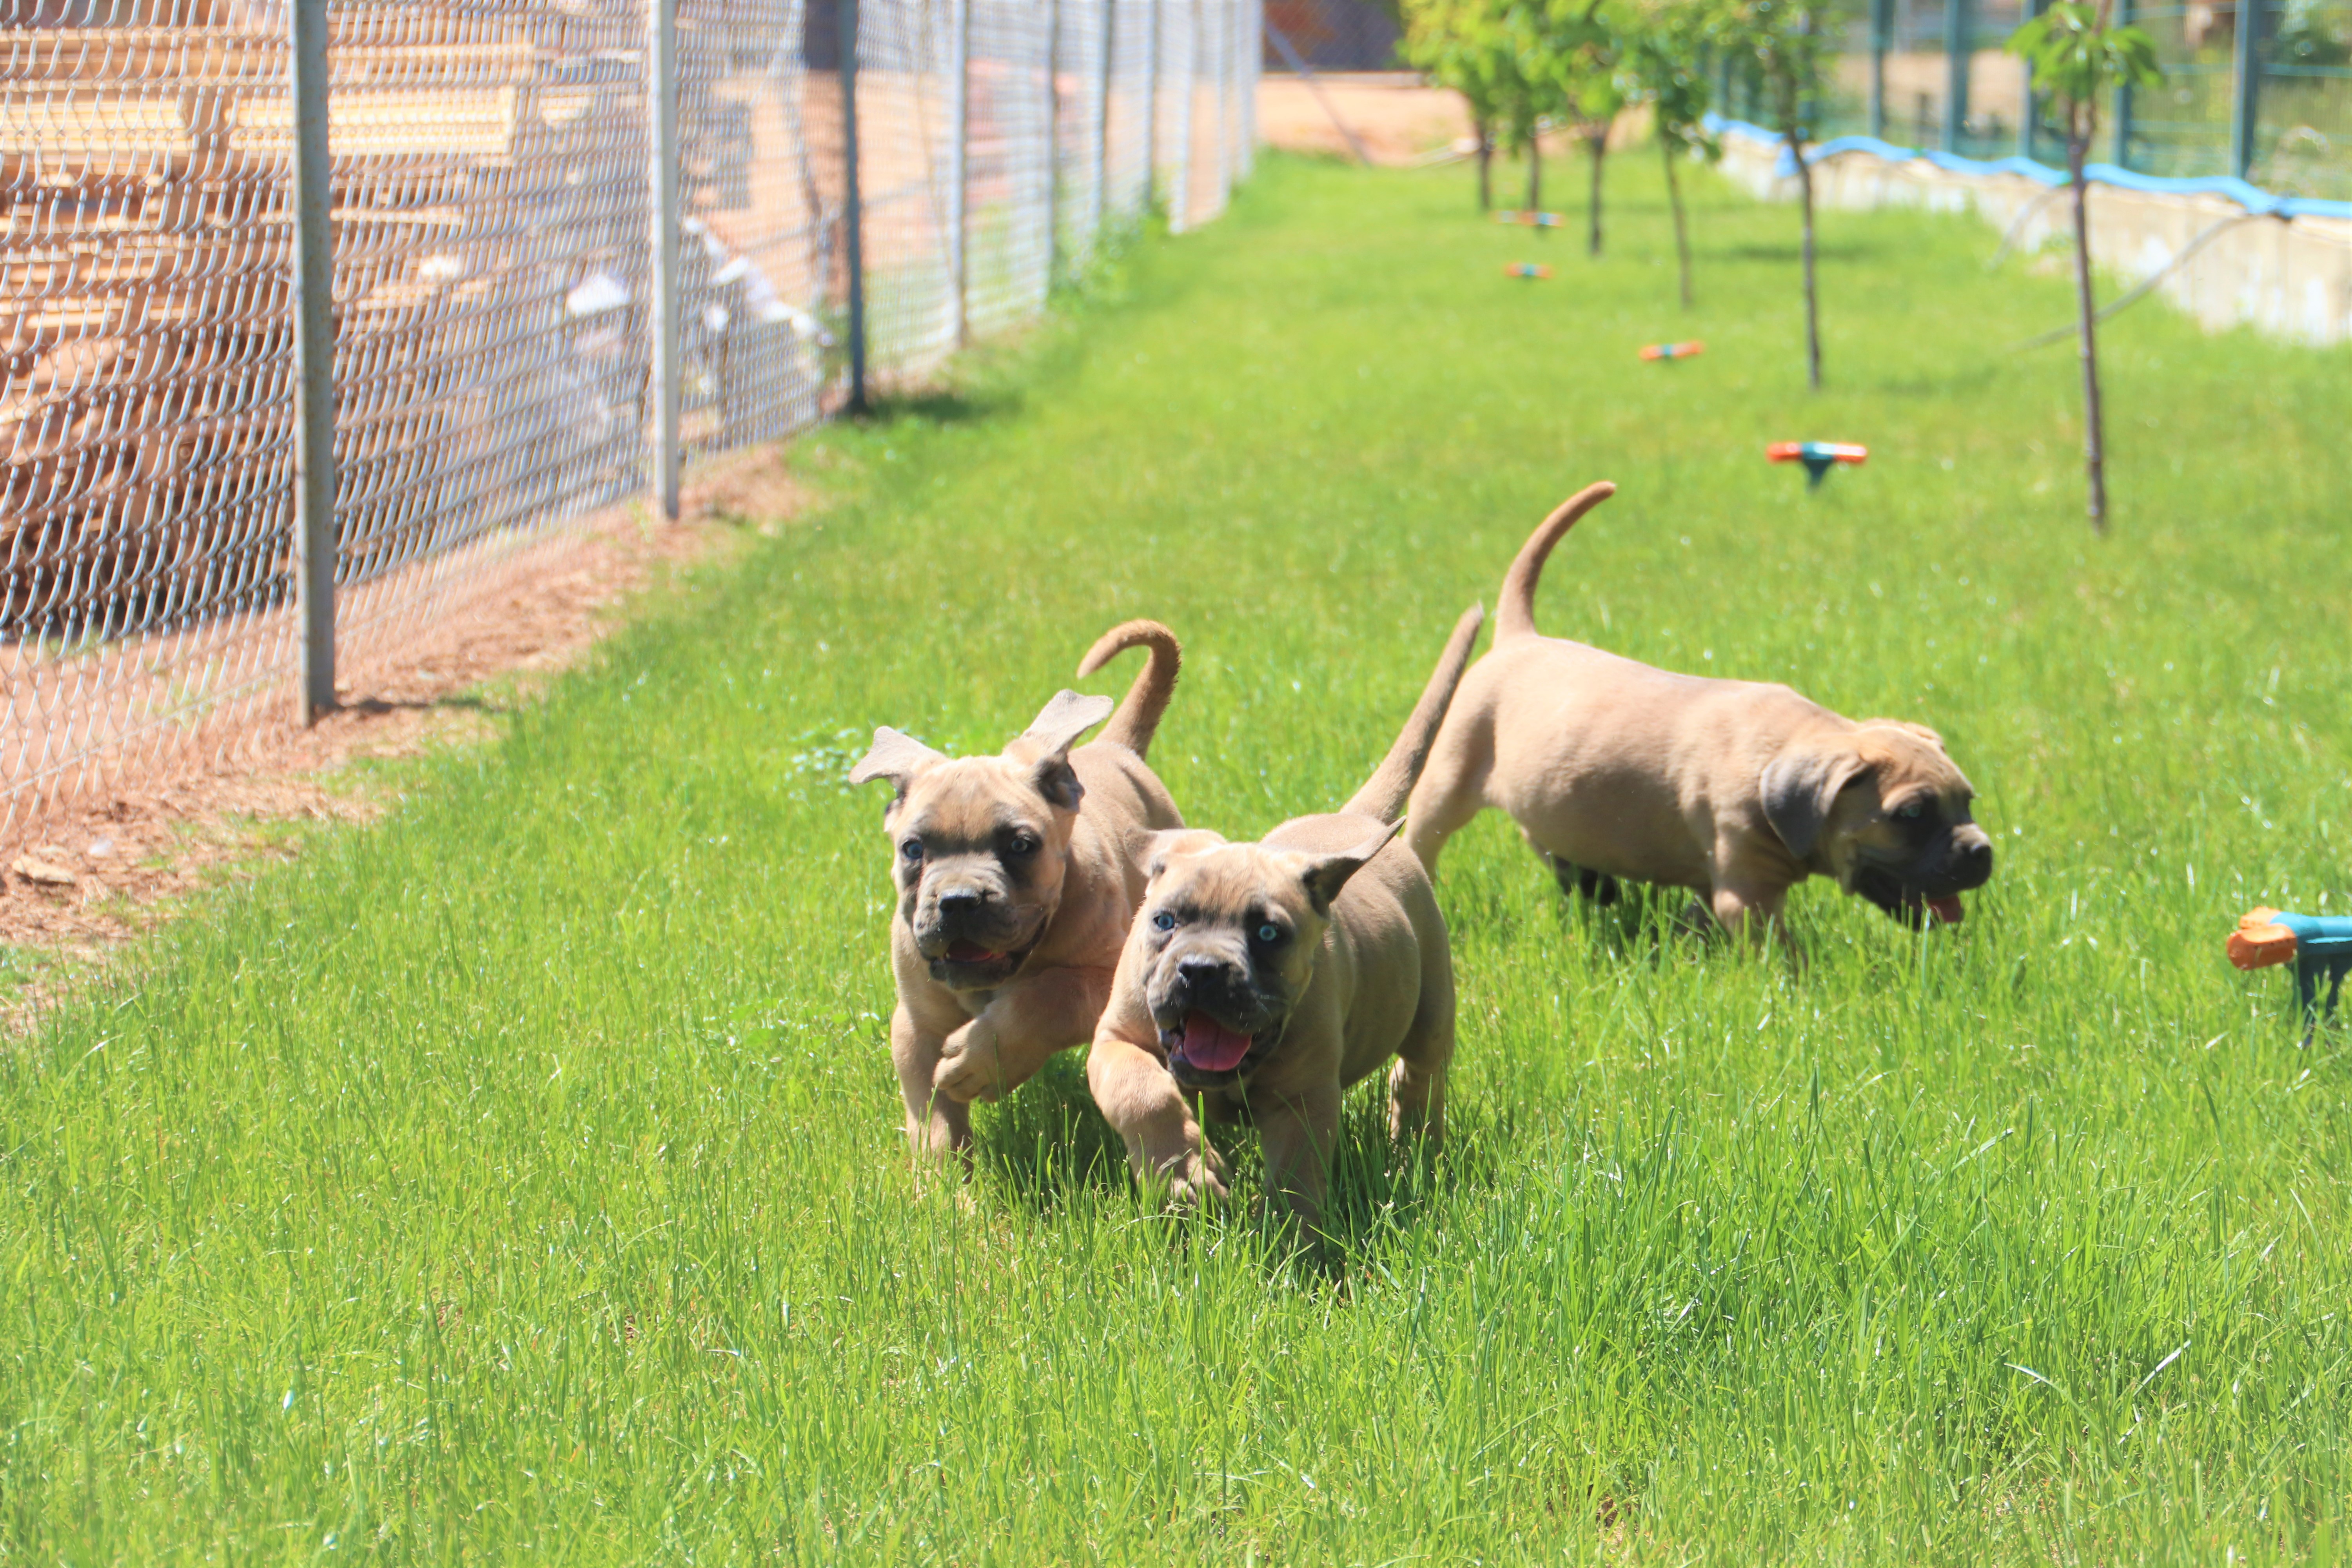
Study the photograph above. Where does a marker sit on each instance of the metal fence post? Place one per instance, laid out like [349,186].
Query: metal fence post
[1102,119]
[1053,141]
[1179,195]
[2027,115]
[314,361]
[1882,23]
[1253,48]
[959,167]
[2123,114]
[661,106]
[1152,107]
[1956,41]
[852,214]
[2246,86]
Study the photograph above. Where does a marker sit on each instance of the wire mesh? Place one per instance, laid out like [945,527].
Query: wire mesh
[492,217]
[147,500]
[1130,128]
[1077,30]
[1009,167]
[490,170]
[1171,154]
[760,212]
[2301,90]
[2303,139]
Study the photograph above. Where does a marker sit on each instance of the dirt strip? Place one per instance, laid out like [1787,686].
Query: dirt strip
[117,860]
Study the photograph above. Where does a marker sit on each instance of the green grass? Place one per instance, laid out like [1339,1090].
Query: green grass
[521,1178]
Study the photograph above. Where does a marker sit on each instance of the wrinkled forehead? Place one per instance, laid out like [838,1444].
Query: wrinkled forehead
[969,797]
[1908,762]
[1233,881]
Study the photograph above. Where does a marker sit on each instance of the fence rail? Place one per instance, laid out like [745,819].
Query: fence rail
[545,292]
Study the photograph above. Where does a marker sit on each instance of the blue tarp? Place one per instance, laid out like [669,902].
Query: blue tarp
[2253,198]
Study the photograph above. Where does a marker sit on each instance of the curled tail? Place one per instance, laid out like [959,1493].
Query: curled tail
[1515,609]
[1137,718]
[1384,794]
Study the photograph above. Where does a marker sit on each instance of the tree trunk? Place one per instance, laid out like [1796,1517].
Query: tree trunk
[1597,143]
[1535,175]
[1485,167]
[2094,434]
[1812,306]
[1682,234]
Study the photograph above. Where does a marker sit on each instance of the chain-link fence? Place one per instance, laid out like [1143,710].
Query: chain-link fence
[521,243]
[2257,88]
[1335,34]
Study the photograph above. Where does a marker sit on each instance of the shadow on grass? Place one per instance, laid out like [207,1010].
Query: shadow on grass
[944,405]
[1047,1145]
[1791,253]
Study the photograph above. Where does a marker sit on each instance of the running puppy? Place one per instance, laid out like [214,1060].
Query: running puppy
[1018,875]
[1733,789]
[1272,975]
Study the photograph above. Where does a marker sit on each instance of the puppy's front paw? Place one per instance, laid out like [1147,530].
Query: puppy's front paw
[968,1075]
[1196,1181]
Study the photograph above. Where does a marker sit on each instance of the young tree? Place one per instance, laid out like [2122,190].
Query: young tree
[1659,65]
[1782,41]
[1572,55]
[1451,42]
[2077,55]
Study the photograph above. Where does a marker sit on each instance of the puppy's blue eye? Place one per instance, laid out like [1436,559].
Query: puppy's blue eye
[1269,933]
[1910,810]
[1163,920]
[912,850]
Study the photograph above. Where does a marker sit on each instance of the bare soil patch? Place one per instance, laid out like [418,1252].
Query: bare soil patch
[1398,120]
[101,868]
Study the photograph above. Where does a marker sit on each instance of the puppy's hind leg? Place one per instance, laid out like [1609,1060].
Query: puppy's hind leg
[1451,790]
[1580,881]
[1417,1081]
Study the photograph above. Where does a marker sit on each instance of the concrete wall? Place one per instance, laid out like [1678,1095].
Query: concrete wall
[2289,278]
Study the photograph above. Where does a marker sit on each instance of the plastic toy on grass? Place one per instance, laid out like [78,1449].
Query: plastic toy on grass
[1818,456]
[1526,269]
[1529,219]
[2314,945]
[1673,351]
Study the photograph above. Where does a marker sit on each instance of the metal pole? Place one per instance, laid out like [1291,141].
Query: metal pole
[2124,9]
[852,214]
[662,109]
[1053,141]
[1102,119]
[1151,111]
[2246,72]
[1956,72]
[314,362]
[1882,23]
[1179,195]
[959,166]
[2026,116]
[1253,51]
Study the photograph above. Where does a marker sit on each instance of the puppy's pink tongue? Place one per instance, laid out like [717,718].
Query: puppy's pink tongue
[970,952]
[1948,909]
[1211,1047]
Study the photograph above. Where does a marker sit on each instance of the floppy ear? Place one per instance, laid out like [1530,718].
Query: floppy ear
[1800,789]
[893,756]
[1046,744]
[1324,875]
